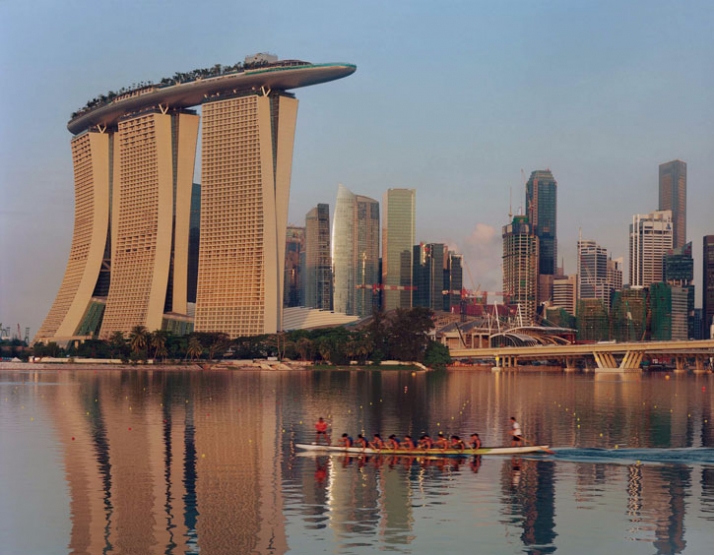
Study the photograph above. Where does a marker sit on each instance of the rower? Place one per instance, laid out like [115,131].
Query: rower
[362,442]
[346,441]
[425,442]
[457,444]
[475,441]
[377,442]
[408,443]
[393,442]
[441,441]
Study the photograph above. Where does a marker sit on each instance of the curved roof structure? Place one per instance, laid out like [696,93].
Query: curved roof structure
[185,95]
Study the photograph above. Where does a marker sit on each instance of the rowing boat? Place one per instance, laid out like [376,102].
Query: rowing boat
[425,452]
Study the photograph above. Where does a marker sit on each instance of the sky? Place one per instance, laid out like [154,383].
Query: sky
[456,99]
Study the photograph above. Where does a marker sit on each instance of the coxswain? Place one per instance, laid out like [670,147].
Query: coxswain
[441,441]
[408,443]
[457,444]
[346,441]
[321,431]
[475,441]
[393,442]
[377,442]
[516,433]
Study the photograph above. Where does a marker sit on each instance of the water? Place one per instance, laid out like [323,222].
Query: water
[147,462]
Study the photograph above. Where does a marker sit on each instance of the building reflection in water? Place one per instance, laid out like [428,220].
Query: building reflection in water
[154,467]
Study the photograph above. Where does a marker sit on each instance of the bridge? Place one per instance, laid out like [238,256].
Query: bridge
[609,357]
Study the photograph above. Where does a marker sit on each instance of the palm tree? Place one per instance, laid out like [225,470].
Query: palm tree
[194,349]
[118,344]
[138,339]
[158,341]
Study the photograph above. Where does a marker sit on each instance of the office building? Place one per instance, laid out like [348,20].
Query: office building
[669,312]
[355,252]
[679,272]
[520,267]
[614,273]
[318,259]
[593,276]
[650,239]
[565,293]
[293,290]
[708,287]
[542,212]
[428,275]
[673,196]
[453,281]
[398,238]
[134,155]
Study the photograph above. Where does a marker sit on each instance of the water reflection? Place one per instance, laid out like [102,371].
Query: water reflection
[159,462]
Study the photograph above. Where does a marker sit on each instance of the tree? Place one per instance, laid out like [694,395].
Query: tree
[194,349]
[158,340]
[437,355]
[408,335]
[139,340]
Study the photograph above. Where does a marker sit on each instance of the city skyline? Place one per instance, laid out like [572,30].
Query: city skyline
[599,108]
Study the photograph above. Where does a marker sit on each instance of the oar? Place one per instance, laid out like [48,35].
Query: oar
[539,446]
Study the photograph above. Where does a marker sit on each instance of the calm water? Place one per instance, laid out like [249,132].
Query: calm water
[188,462]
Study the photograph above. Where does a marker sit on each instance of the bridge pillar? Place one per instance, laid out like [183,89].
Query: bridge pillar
[699,364]
[569,364]
[606,362]
[680,365]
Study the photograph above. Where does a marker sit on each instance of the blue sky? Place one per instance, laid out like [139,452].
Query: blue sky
[451,98]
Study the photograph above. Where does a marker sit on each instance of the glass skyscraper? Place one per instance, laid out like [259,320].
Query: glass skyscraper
[542,211]
[355,252]
[398,238]
[673,196]
[318,259]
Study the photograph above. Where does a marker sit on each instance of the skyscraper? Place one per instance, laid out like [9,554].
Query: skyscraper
[428,275]
[593,282]
[398,238]
[318,258]
[453,280]
[650,239]
[293,294]
[520,267]
[355,252]
[542,212]
[673,196]
[679,272]
[134,158]
[708,286]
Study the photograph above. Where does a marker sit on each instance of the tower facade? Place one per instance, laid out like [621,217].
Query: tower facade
[293,290]
[673,196]
[428,275]
[133,256]
[679,273]
[355,252]
[593,282]
[542,212]
[398,238]
[318,258]
[650,239]
[708,286]
[520,266]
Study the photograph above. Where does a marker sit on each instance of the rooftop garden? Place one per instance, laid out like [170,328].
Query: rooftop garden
[144,87]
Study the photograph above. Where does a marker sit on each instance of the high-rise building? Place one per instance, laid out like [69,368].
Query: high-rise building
[428,275]
[565,293]
[679,272]
[593,282]
[614,273]
[355,252]
[318,258]
[542,212]
[708,286]
[453,281]
[134,157]
[293,291]
[398,238]
[194,239]
[673,196]
[668,312]
[650,239]
[520,267]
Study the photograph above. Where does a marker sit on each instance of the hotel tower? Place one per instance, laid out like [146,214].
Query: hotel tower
[134,156]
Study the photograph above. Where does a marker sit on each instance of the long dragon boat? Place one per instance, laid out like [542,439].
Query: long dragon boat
[317,449]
